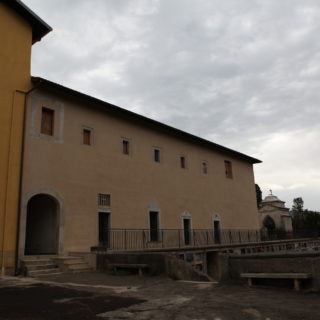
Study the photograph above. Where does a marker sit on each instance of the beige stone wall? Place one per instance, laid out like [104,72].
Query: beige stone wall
[76,173]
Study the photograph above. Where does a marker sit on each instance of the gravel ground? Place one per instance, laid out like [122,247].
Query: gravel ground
[100,296]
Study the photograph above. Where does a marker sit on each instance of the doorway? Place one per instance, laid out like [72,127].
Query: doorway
[270,226]
[104,229]
[216,231]
[42,227]
[154,225]
[187,231]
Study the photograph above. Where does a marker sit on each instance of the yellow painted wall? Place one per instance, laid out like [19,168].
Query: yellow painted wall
[15,53]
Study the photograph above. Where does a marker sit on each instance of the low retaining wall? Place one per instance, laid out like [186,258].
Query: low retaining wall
[160,263]
[155,261]
[304,262]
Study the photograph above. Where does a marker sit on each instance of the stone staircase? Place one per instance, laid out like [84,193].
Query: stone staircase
[43,266]
[35,267]
[72,264]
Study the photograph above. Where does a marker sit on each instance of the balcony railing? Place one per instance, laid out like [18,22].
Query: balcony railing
[141,239]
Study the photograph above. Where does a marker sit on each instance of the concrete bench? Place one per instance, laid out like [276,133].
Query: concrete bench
[136,266]
[297,277]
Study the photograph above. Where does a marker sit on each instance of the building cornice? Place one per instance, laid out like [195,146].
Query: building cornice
[136,118]
[39,27]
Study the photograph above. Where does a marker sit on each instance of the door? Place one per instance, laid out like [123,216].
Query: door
[187,231]
[216,231]
[104,225]
[154,225]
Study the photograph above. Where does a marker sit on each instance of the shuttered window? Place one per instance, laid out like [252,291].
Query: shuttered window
[47,121]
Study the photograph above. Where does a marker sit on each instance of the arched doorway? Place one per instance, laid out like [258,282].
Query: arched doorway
[42,227]
[268,223]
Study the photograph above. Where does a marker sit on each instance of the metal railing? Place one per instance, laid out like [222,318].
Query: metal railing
[141,239]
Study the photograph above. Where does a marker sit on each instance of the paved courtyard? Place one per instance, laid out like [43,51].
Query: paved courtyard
[100,296]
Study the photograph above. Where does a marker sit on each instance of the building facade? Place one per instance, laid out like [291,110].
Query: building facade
[74,169]
[19,29]
[90,167]
[274,215]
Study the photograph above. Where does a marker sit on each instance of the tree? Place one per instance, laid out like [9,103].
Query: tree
[297,207]
[311,220]
[305,220]
[258,195]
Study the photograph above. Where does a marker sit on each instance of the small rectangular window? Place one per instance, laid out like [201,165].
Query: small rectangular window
[125,147]
[156,155]
[228,169]
[204,167]
[183,162]
[47,121]
[87,137]
[104,200]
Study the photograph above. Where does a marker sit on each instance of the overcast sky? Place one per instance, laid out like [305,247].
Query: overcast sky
[241,73]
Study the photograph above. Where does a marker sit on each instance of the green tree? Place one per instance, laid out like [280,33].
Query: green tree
[297,207]
[258,195]
[306,220]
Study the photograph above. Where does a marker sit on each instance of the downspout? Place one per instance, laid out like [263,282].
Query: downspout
[21,176]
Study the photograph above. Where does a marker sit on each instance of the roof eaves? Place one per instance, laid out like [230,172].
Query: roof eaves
[39,27]
[150,122]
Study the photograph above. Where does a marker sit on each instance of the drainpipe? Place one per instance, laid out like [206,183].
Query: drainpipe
[21,175]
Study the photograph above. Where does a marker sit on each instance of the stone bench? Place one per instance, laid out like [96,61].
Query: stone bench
[135,266]
[297,277]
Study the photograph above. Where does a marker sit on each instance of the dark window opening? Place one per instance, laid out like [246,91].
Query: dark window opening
[156,155]
[228,169]
[47,121]
[183,162]
[154,225]
[125,147]
[204,167]
[87,137]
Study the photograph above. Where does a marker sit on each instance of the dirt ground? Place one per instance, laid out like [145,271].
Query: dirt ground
[101,296]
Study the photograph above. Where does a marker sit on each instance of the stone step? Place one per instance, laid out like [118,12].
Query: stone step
[79,267]
[72,264]
[50,274]
[73,261]
[36,273]
[30,262]
[41,267]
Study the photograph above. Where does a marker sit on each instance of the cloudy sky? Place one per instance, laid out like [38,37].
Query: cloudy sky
[241,73]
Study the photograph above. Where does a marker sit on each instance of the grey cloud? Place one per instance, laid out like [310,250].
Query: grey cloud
[238,72]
